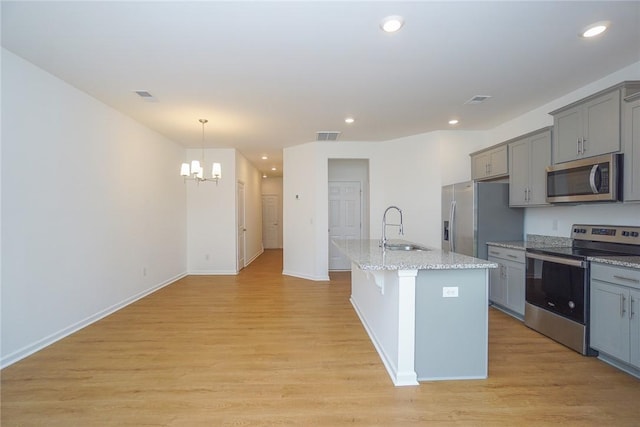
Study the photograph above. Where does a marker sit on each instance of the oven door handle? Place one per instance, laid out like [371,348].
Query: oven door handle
[557,259]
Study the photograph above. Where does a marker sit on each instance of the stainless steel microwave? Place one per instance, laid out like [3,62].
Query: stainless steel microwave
[594,179]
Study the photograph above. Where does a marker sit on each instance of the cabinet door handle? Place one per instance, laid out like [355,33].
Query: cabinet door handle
[583,149]
[628,279]
[494,253]
[512,256]
[577,146]
[633,301]
[623,300]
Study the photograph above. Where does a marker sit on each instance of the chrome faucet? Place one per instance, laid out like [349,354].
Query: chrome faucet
[383,241]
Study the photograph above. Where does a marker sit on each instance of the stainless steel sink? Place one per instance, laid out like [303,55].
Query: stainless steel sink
[404,247]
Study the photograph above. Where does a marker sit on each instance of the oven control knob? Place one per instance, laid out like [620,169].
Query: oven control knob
[625,233]
[635,234]
[572,304]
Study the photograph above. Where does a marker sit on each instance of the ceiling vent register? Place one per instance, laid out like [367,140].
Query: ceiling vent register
[478,99]
[327,136]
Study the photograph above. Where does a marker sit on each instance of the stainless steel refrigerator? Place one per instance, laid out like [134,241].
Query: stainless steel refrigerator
[474,213]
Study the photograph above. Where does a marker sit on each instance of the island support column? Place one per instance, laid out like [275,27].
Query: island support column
[385,301]
[406,373]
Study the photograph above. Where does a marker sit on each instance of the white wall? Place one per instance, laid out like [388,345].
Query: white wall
[211,231]
[455,147]
[93,209]
[212,215]
[403,172]
[300,244]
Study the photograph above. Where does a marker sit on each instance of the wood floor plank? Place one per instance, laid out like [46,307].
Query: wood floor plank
[260,348]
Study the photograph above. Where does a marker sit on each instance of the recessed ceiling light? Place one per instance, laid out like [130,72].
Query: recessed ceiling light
[392,23]
[453,122]
[264,157]
[264,175]
[349,120]
[273,169]
[595,29]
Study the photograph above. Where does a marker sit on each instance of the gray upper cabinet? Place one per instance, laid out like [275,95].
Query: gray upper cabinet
[588,128]
[489,163]
[631,147]
[529,155]
[595,125]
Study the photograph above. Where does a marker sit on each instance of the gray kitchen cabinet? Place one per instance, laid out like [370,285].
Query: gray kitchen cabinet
[490,163]
[631,147]
[507,282]
[634,332]
[529,155]
[497,282]
[615,315]
[590,128]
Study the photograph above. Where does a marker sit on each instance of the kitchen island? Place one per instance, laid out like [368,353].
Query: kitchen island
[426,311]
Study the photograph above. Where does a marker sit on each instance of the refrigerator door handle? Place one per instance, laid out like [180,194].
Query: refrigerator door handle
[452,226]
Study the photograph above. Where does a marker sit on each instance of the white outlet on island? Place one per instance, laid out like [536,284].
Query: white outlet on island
[449,292]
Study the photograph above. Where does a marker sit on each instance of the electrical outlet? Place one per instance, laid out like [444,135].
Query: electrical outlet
[449,292]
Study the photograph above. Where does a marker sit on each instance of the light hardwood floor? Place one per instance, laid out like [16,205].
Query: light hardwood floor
[265,349]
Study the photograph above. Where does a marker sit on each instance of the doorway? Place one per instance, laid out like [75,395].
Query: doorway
[270,221]
[348,206]
[241,227]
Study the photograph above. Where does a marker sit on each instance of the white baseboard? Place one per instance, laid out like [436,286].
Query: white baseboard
[212,273]
[306,276]
[254,257]
[56,336]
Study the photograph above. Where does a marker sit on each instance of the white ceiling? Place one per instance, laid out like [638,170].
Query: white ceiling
[269,75]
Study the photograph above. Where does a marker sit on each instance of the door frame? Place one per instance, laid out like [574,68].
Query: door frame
[241,242]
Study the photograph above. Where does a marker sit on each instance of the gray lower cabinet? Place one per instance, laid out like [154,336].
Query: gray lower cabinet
[529,156]
[507,282]
[615,315]
[631,148]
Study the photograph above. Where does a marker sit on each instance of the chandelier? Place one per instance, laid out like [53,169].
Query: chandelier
[195,171]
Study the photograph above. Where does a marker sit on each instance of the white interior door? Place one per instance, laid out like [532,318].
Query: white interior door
[345,219]
[270,224]
[241,227]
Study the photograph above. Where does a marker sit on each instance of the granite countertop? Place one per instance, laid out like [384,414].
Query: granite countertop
[629,261]
[367,255]
[534,241]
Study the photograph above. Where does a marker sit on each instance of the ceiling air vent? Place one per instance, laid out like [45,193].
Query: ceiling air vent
[327,136]
[478,99]
[145,95]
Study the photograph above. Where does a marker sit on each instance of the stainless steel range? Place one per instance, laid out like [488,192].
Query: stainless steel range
[557,281]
